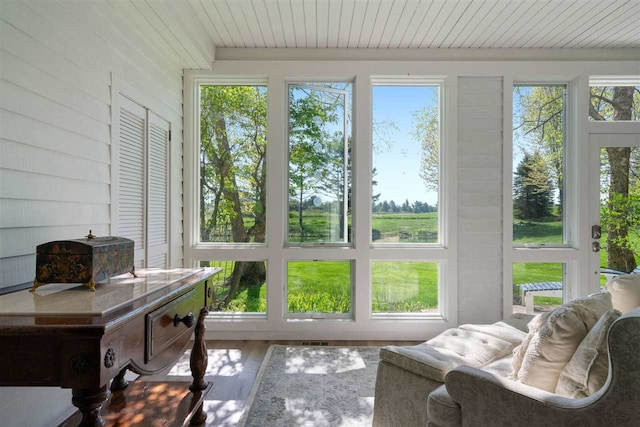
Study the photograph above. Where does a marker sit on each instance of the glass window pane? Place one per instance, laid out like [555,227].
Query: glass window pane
[240,287]
[405,173]
[319,286]
[404,287]
[615,103]
[319,163]
[233,130]
[538,164]
[619,211]
[537,286]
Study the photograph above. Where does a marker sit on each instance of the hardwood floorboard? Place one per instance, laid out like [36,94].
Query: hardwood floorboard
[233,368]
[232,386]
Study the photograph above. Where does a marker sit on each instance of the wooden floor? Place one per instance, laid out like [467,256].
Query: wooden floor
[233,368]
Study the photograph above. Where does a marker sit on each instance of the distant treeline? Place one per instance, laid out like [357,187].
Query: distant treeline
[415,207]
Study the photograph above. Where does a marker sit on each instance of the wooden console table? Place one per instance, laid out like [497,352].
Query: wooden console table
[64,335]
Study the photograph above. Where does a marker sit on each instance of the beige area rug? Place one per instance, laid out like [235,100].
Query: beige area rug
[313,386]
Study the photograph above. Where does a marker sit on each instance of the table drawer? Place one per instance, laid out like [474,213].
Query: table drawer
[173,321]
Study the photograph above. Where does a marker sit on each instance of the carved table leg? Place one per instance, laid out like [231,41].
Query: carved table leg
[119,382]
[199,416]
[89,402]
[199,358]
[198,364]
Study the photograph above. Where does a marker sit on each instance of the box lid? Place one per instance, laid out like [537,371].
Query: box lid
[84,246]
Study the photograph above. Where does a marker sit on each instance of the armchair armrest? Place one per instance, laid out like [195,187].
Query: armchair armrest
[487,399]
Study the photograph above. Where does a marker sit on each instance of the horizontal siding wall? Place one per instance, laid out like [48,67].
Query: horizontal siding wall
[56,68]
[480,123]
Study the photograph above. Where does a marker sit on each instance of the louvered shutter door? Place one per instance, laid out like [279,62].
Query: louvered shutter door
[131,176]
[158,193]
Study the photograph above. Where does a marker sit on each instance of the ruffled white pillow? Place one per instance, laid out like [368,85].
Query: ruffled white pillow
[553,339]
[588,369]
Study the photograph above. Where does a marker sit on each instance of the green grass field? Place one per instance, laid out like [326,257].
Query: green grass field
[397,287]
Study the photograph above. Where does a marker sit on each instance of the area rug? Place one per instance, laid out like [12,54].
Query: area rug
[313,386]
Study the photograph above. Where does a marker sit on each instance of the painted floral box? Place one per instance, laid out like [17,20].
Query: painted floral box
[87,261]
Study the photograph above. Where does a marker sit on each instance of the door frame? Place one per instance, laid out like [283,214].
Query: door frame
[603,134]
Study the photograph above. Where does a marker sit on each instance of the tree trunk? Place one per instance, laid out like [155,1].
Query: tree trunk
[246,273]
[230,187]
[204,236]
[300,222]
[619,257]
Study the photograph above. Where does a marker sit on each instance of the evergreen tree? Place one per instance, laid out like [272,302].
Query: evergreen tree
[533,188]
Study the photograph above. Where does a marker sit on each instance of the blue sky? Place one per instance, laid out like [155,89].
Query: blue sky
[398,163]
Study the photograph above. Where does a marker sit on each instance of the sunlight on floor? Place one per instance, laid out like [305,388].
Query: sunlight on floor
[222,363]
[310,360]
[223,413]
[305,412]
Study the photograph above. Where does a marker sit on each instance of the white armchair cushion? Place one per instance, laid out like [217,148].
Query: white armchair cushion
[625,292]
[500,330]
[433,359]
[587,370]
[555,338]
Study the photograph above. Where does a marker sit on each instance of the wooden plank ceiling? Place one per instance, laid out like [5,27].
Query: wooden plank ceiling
[434,24]
[188,33]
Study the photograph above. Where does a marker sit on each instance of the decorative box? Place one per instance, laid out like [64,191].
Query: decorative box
[86,261]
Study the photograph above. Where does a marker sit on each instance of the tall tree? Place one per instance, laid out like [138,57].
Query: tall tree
[532,198]
[428,134]
[314,151]
[541,118]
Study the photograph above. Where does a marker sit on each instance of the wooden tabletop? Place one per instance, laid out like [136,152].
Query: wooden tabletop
[72,299]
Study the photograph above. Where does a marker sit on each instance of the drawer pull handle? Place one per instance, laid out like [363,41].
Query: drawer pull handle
[187,320]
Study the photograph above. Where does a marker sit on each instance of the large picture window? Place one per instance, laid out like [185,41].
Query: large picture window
[539,165]
[233,144]
[406,163]
[232,189]
[406,182]
[319,163]
[288,195]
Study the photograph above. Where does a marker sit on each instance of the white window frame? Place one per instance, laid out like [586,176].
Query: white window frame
[419,252]
[593,128]
[568,253]
[331,251]
[360,252]
[442,139]
[314,85]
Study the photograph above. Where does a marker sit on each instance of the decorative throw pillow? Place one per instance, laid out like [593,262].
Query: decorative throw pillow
[625,292]
[588,369]
[559,335]
[518,353]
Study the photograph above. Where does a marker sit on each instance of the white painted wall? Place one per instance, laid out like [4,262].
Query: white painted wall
[479,178]
[57,65]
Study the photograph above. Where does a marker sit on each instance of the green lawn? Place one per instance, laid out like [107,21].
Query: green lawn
[397,287]
[408,227]
[404,287]
[319,286]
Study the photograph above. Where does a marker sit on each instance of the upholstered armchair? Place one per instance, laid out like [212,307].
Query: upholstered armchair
[486,399]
